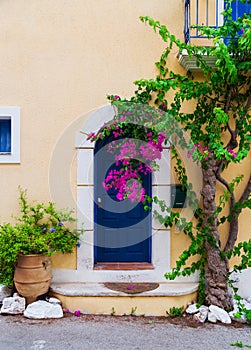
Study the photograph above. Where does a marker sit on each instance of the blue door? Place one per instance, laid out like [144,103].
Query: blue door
[122,229]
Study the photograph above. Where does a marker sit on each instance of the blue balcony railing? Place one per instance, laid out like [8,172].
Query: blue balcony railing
[208,13]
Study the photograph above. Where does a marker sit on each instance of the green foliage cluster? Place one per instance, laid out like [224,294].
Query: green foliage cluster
[133,311]
[239,344]
[242,310]
[175,311]
[39,230]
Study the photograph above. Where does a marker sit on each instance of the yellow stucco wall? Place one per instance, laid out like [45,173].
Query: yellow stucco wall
[59,61]
[143,305]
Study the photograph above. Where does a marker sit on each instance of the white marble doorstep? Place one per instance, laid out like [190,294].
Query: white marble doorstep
[99,289]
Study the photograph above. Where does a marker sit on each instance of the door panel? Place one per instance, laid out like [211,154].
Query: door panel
[122,228]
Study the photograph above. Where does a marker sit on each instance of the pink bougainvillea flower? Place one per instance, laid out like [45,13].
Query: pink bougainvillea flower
[232,152]
[130,287]
[77,313]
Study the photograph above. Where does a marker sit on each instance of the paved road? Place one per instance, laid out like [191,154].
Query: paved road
[109,333]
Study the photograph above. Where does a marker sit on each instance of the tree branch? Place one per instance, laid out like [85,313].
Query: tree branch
[220,178]
[233,230]
[227,104]
[225,183]
[246,191]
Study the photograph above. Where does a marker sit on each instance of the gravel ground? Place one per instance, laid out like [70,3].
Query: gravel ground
[118,332]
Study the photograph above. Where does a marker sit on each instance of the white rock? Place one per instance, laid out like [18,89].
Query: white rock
[211,317]
[54,301]
[13,305]
[192,309]
[5,292]
[220,314]
[42,309]
[201,316]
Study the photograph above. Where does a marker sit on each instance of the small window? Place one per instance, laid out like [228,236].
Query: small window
[5,135]
[9,134]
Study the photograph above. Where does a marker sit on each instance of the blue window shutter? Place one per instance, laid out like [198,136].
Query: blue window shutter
[5,135]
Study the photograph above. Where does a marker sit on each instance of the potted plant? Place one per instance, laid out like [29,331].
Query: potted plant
[26,246]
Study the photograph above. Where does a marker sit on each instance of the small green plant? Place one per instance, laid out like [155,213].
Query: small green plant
[239,344]
[41,229]
[242,310]
[175,311]
[113,312]
[133,311]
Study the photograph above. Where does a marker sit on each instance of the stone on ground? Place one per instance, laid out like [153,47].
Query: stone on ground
[54,300]
[13,305]
[201,316]
[220,314]
[192,309]
[5,292]
[211,317]
[42,310]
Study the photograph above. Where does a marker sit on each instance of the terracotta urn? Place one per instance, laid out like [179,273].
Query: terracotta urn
[32,276]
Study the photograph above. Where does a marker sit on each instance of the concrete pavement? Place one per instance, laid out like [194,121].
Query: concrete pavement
[115,332]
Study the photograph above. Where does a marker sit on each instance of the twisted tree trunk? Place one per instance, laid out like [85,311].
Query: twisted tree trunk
[217,291]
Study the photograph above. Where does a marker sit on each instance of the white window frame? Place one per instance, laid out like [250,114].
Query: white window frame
[220,10]
[14,114]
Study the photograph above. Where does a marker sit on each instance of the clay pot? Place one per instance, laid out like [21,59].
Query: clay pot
[32,276]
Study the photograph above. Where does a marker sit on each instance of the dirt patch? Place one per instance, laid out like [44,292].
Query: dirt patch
[185,321]
[182,321]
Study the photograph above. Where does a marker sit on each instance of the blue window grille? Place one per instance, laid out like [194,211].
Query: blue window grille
[5,135]
[208,13]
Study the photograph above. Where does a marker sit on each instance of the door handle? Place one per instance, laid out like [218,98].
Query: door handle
[99,202]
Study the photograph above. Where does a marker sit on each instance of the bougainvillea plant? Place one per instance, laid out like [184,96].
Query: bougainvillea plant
[219,138]
[136,145]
